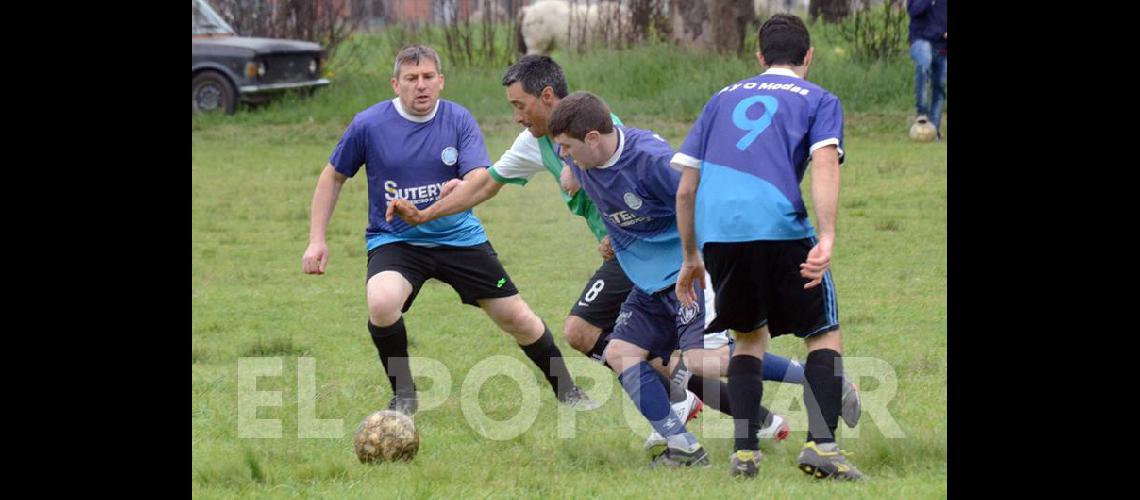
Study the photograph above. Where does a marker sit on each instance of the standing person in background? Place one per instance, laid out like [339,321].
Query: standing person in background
[928,49]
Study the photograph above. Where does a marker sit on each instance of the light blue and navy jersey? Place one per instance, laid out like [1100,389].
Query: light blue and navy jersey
[411,157]
[752,144]
[635,193]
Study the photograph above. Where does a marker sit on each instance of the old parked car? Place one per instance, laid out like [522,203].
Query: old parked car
[229,68]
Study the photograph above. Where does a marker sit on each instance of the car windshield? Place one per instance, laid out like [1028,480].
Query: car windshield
[208,22]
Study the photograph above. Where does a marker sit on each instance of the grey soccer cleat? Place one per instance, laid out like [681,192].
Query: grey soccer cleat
[827,461]
[745,463]
[406,404]
[676,457]
[577,399]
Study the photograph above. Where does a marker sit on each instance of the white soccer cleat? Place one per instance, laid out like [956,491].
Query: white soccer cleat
[686,411]
[776,429]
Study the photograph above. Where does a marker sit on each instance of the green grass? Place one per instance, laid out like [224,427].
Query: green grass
[250,196]
[252,180]
[653,79]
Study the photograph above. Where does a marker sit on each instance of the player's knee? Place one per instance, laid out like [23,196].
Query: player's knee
[752,344]
[704,362]
[831,340]
[579,334]
[519,320]
[621,355]
[383,309]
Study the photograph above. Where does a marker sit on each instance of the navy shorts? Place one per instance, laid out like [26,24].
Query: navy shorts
[659,323]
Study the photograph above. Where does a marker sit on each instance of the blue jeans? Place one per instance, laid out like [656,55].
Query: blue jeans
[929,66]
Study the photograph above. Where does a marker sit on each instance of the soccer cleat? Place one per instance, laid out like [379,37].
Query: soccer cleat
[745,463]
[827,461]
[675,457]
[406,404]
[776,428]
[686,411]
[577,399]
[852,408]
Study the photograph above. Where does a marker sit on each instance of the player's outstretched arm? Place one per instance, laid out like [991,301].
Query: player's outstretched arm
[825,197]
[475,188]
[316,256]
[692,268]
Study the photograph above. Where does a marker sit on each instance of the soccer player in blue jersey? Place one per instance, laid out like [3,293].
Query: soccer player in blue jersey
[626,173]
[411,146]
[739,203]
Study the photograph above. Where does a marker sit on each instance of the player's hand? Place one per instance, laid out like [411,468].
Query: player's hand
[316,258]
[606,249]
[818,261]
[448,187]
[568,182]
[406,210]
[691,272]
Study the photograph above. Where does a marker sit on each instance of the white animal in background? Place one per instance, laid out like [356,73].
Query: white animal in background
[547,24]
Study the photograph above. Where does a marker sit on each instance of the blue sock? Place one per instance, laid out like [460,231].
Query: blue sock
[781,369]
[640,381]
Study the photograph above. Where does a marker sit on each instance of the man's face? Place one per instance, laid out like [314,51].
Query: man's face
[530,111]
[585,153]
[418,86]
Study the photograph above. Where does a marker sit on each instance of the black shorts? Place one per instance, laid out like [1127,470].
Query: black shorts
[601,299]
[474,272]
[759,282]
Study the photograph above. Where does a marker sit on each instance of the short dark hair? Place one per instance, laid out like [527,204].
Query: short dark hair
[413,54]
[578,114]
[784,39]
[535,73]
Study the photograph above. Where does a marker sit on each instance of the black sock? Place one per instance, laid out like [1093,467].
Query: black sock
[392,344]
[715,394]
[675,395]
[745,390]
[679,380]
[598,351]
[712,391]
[548,358]
[821,381]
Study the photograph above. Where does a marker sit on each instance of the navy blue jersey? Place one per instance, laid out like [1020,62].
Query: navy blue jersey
[411,157]
[635,193]
[752,144]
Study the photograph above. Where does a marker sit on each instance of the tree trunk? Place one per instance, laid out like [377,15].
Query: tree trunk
[711,25]
[831,10]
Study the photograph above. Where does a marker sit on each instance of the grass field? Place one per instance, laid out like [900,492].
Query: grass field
[253,177]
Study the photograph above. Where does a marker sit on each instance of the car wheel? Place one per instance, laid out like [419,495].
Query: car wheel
[212,92]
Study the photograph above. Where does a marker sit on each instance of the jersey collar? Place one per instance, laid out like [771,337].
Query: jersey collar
[418,119]
[617,154]
[780,72]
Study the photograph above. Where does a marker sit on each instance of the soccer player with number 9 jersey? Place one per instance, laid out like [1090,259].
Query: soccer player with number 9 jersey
[739,205]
